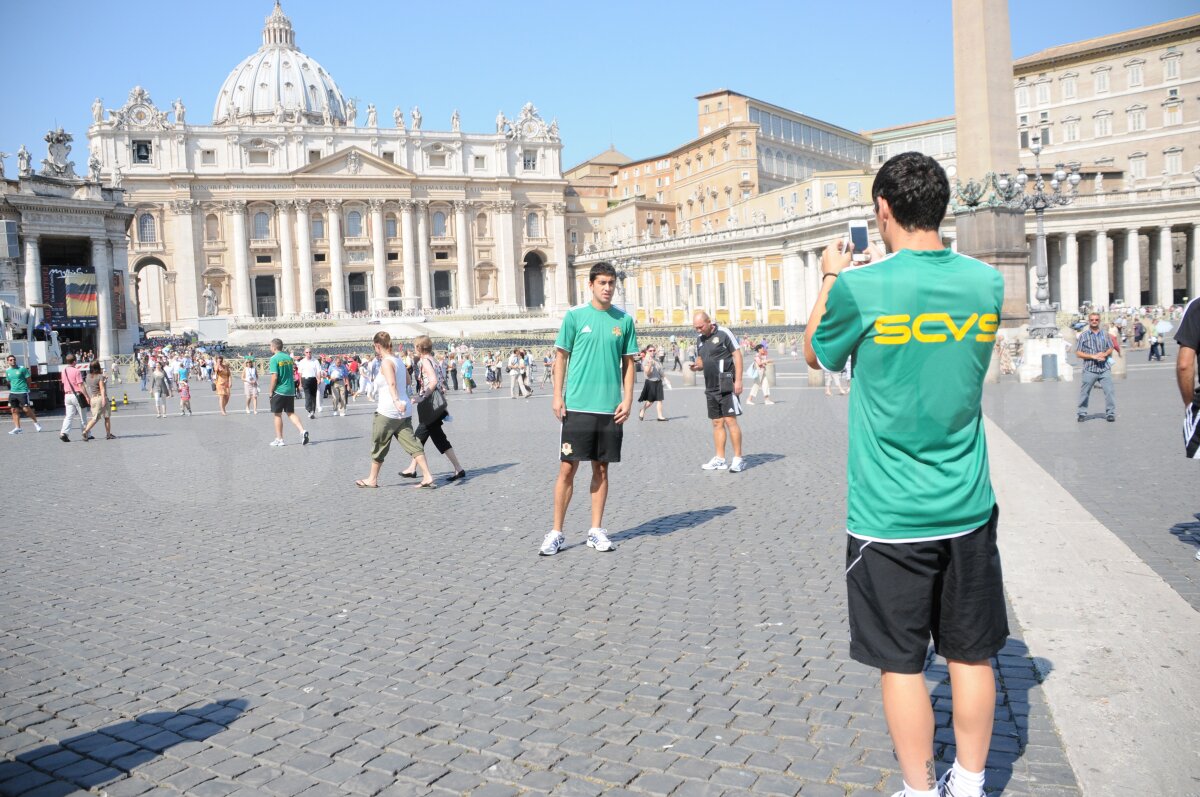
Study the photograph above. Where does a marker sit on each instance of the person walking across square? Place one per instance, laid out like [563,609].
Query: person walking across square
[593,396]
[1094,347]
[18,395]
[720,358]
[921,554]
[283,391]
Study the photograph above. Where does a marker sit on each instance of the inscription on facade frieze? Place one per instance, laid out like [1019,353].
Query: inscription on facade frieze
[322,186]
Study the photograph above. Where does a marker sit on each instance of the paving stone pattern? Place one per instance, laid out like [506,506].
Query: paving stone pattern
[188,610]
[1131,474]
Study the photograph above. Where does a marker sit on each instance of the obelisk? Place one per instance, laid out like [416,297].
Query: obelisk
[987,143]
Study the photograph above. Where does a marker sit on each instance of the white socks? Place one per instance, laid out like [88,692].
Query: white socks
[963,783]
[909,791]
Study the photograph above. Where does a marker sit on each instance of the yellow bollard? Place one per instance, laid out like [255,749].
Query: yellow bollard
[125,398]
[113,406]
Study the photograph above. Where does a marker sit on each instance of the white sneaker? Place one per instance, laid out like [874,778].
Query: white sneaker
[37,427]
[552,544]
[598,539]
[277,442]
[17,430]
[1198,556]
[737,465]
[945,789]
[716,463]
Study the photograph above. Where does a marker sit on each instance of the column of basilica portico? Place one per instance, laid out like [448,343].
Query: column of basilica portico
[505,254]
[1162,292]
[187,264]
[792,272]
[337,275]
[812,280]
[1068,277]
[120,255]
[709,289]
[308,298]
[426,278]
[408,243]
[561,291]
[1131,270]
[465,252]
[241,268]
[733,291]
[378,256]
[1101,289]
[287,281]
[33,270]
[104,299]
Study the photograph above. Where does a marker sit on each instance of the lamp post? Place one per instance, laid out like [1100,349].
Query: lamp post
[1014,194]
[624,266]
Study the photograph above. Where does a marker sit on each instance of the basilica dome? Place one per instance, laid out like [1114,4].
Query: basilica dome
[279,83]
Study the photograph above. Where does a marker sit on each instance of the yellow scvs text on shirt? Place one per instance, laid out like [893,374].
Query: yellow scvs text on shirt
[896,330]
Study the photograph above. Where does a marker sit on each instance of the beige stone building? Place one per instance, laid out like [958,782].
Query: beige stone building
[1123,107]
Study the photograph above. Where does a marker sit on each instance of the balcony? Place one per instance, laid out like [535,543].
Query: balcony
[258,244]
[147,246]
[441,240]
[214,246]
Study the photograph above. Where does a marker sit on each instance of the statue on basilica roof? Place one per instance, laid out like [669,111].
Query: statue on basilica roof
[416,118]
[97,111]
[58,146]
[24,160]
[398,118]
[372,116]
[351,113]
[180,110]
[455,122]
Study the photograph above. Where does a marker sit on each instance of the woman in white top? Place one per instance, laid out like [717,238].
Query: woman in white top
[393,415]
[250,385]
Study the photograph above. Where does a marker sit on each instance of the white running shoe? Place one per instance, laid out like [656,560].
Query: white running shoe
[37,427]
[17,430]
[277,442]
[737,465]
[716,463]
[552,544]
[598,539]
[946,789]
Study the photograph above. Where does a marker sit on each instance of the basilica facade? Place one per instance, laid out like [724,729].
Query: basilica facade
[293,201]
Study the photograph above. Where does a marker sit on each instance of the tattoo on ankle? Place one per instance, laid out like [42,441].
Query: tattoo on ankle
[930,775]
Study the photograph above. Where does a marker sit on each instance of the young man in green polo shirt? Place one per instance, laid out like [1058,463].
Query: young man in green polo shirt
[283,391]
[18,395]
[921,556]
[593,361]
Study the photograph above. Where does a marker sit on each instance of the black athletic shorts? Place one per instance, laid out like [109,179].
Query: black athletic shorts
[18,400]
[1191,429]
[901,594]
[723,405]
[589,437]
[281,404]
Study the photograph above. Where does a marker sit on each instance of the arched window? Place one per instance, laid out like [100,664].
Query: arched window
[212,228]
[262,226]
[791,166]
[147,233]
[481,226]
[322,300]
[439,224]
[390,225]
[532,227]
[393,298]
[354,224]
[318,227]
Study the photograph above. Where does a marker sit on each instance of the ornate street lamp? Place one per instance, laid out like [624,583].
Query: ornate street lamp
[1014,194]
[625,266]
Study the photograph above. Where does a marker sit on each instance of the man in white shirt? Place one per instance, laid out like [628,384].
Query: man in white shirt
[310,373]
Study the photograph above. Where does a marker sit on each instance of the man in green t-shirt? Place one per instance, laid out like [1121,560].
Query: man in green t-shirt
[283,391]
[593,396]
[921,555]
[18,395]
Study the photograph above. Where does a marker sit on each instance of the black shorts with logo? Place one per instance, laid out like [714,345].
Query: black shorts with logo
[590,437]
[18,400]
[722,405]
[283,404]
[902,594]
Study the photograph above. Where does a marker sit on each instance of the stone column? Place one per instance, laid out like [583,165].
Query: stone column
[1193,262]
[120,256]
[466,261]
[379,256]
[812,281]
[1100,284]
[1131,270]
[308,298]
[337,276]
[668,288]
[710,289]
[1068,278]
[33,271]
[505,254]
[764,290]
[792,272]
[558,223]
[733,290]
[104,300]
[422,211]
[408,247]
[188,263]
[241,253]
[1163,290]
[287,277]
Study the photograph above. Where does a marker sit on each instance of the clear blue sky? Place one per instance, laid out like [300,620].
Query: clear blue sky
[623,72]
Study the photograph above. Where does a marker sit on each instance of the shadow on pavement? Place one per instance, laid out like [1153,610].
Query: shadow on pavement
[487,470]
[676,522]
[1188,531]
[92,759]
[754,460]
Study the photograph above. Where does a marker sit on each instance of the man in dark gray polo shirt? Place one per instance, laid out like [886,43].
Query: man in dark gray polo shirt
[1094,348]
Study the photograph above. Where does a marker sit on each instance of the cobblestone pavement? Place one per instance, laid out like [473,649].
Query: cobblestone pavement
[187,609]
[1131,474]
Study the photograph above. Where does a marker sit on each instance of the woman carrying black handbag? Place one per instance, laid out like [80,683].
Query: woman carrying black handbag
[431,408]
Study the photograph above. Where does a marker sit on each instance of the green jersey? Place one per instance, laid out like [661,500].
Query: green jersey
[283,366]
[18,379]
[596,341]
[921,327]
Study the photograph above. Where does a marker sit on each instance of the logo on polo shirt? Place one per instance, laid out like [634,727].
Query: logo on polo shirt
[586,328]
[616,332]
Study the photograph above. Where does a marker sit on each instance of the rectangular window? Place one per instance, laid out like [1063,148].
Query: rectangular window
[1068,88]
[747,294]
[393,256]
[480,162]
[745,193]
[1134,74]
[314,155]
[1173,162]
[1171,69]
[1022,97]
[1101,81]
[721,295]
[529,160]
[141,151]
[1172,115]
[1103,125]
[776,294]
[441,255]
[1024,142]
[388,156]
[318,228]
[1071,130]
[1043,93]
[437,160]
[1137,166]
[1136,119]
[259,157]
[265,259]
[1046,140]
[390,226]
[208,157]
[319,257]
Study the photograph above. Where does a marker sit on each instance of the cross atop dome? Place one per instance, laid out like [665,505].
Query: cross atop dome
[277,32]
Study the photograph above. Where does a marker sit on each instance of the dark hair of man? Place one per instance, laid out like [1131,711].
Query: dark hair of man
[601,269]
[277,344]
[69,359]
[916,189]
